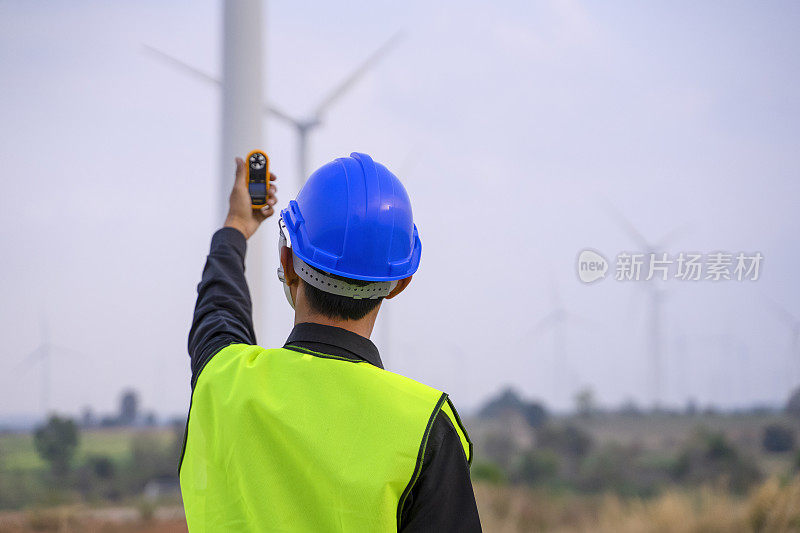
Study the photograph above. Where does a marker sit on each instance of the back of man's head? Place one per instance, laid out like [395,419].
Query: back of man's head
[352,237]
[340,307]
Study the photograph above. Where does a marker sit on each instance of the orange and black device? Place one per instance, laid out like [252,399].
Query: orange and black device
[258,178]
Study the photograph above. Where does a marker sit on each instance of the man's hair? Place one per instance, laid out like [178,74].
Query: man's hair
[336,306]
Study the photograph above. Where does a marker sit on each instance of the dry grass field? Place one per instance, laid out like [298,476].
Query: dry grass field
[773,507]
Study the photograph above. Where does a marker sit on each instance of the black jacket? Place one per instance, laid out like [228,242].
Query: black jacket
[441,500]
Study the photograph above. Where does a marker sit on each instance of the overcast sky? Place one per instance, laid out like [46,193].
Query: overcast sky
[514,125]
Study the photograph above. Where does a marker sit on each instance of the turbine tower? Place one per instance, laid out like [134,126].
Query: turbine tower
[242,86]
[242,94]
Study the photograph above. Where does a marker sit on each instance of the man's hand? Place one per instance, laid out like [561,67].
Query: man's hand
[241,214]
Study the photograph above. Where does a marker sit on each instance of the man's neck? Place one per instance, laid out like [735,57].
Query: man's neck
[361,327]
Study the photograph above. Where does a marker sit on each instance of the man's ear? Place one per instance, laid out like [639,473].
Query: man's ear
[400,287]
[287,263]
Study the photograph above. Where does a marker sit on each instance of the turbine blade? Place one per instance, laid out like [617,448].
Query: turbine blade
[272,110]
[790,320]
[67,351]
[670,236]
[348,82]
[37,354]
[628,226]
[543,324]
[208,78]
[180,65]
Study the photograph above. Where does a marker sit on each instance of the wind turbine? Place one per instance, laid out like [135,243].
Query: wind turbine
[555,320]
[303,125]
[44,354]
[656,302]
[725,355]
[793,324]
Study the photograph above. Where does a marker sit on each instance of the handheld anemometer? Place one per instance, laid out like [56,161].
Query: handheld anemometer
[258,178]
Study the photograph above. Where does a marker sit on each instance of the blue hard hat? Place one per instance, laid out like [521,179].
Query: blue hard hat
[353,218]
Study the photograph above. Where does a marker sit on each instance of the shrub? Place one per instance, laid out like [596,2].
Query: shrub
[150,458]
[793,404]
[500,449]
[709,458]
[487,471]
[777,438]
[101,466]
[567,440]
[538,467]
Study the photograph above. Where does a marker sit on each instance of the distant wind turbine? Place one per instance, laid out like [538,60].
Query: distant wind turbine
[726,356]
[555,321]
[793,324]
[43,354]
[656,301]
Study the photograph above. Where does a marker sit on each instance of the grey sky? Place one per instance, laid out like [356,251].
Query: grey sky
[512,125]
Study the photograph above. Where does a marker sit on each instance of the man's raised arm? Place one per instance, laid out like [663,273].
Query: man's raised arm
[223,312]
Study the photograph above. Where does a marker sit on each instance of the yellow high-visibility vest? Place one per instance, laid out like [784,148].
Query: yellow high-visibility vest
[294,440]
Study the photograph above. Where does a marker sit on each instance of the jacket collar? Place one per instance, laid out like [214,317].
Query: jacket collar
[334,341]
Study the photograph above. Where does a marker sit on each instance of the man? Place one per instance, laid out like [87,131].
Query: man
[316,435]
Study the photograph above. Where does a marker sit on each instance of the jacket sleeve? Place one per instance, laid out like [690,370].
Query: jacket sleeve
[442,499]
[223,312]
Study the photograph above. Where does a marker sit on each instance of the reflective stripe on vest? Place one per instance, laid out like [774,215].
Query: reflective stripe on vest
[293,440]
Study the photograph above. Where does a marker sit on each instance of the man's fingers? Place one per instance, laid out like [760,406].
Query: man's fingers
[272,177]
[240,171]
[266,212]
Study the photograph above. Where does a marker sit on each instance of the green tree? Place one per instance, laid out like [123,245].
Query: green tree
[56,442]
[585,403]
[128,407]
[509,402]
